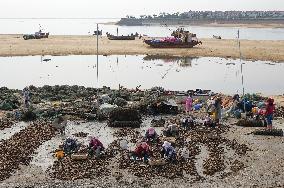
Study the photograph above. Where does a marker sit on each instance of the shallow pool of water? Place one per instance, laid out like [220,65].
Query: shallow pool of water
[217,74]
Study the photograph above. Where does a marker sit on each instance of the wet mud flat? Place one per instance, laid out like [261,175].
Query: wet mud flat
[221,156]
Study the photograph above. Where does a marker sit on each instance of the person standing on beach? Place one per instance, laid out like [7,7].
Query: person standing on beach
[26,94]
[269,110]
[218,108]
[188,103]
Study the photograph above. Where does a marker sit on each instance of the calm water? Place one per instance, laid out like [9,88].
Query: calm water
[87,26]
[217,74]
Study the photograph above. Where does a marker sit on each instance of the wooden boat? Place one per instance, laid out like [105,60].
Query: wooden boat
[164,44]
[113,37]
[216,37]
[98,32]
[37,35]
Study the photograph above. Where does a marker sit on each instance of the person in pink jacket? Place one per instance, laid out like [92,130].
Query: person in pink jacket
[189,103]
[270,109]
[95,147]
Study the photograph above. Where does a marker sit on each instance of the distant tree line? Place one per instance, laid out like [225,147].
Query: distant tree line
[210,15]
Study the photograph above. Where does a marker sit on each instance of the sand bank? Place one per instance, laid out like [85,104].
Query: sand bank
[15,45]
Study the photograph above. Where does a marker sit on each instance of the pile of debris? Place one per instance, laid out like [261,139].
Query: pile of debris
[163,107]
[9,99]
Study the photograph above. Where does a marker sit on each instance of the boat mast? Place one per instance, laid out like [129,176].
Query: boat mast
[98,57]
[239,45]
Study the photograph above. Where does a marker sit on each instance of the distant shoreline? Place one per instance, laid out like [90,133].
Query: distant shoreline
[207,23]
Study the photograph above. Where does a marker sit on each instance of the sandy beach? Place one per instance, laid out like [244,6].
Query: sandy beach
[15,45]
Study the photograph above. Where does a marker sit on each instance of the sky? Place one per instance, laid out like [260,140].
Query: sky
[121,8]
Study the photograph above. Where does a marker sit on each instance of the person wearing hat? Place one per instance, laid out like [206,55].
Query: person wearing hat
[95,147]
[70,146]
[269,110]
[168,151]
[151,135]
[141,151]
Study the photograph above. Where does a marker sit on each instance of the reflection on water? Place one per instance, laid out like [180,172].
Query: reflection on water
[181,61]
[175,73]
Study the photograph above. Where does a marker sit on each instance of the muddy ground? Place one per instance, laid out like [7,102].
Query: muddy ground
[262,166]
[225,156]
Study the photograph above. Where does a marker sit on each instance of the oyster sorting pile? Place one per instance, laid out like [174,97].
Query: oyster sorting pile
[130,133]
[273,132]
[279,112]
[250,123]
[19,148]
[6,123]
[215,162]
[68,169]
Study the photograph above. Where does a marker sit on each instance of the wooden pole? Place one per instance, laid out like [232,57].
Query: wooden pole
[98,57]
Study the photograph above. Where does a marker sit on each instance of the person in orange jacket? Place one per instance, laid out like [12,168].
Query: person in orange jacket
[59,154]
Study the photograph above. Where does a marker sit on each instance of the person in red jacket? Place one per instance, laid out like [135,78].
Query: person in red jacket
[269,110]
[141,151]
[95,147]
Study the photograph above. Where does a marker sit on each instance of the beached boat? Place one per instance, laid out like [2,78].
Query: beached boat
[166,44]
[216,37]
[37,35]
[98,32]
[180,39]
[113,37]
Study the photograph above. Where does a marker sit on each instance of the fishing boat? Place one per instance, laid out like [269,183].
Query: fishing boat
[217,37]
[37,35]
[180,39]
[98,32]
[113,37]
